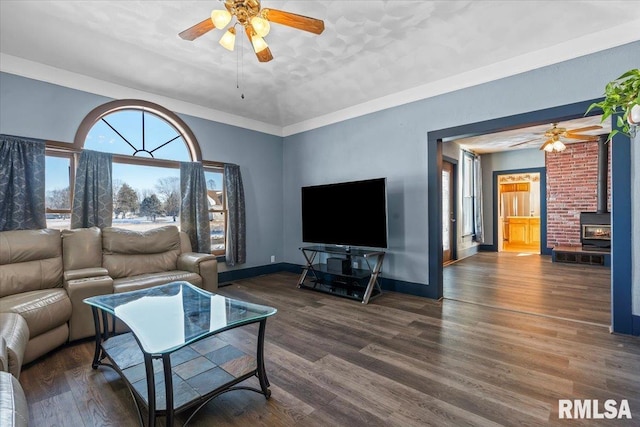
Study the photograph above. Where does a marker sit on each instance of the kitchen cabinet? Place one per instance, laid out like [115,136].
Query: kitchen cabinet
[534,230]
[523,230]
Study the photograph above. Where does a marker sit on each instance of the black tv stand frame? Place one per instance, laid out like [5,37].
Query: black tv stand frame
[348,284]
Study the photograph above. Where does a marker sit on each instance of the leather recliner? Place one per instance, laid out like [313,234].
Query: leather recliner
[31,286]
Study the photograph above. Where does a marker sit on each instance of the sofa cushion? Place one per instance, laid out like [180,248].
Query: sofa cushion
[81,248]
[142,281]
[30,260]
[43,310]
[131,253]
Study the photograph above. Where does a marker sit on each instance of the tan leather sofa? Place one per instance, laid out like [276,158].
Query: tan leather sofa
[119,260]
[46,274]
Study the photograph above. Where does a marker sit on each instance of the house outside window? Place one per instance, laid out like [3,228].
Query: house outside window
[148,143]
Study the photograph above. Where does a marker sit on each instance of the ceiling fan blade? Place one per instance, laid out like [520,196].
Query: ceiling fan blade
[582,137]
[197,30]
[584,129]
[524,142]
[289,19]
[265,54]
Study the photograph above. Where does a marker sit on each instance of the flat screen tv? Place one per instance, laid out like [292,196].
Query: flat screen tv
[346,213]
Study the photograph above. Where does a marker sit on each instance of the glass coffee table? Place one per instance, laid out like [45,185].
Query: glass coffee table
[173,359]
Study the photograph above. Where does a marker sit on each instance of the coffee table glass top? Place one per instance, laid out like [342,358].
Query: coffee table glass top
[168,317]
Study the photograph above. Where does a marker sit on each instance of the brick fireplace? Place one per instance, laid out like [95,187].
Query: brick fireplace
[572,188]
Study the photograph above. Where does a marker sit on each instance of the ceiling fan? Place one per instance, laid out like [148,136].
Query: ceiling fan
[554,135]
[255,20]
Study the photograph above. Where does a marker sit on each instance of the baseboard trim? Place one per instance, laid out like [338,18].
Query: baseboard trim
[387,284]
[247,273]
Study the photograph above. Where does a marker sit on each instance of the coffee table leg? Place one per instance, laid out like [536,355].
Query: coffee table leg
[96,323]
[168,387]
[262,373]
[151,389]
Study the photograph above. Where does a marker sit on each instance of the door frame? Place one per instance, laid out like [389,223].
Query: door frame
[621,296]
[454,184]
[544,250]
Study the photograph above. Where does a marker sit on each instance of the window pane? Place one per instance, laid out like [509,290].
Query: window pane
[101,137]
[122,133]
[215,195]
[145,197]
[467,194]
[217,225]
[57,191]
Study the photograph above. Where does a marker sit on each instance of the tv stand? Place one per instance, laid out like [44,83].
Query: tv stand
[337,275]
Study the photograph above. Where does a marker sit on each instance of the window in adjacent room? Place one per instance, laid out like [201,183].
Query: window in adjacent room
[467,194]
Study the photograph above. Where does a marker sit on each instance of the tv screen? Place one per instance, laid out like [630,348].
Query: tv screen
[347,213]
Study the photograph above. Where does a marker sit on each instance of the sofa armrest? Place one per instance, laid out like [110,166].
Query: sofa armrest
[81,322]
[15,335]
[14,411]
[85,273]
[205,265]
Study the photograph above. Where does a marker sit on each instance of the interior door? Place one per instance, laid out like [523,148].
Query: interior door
[448,213]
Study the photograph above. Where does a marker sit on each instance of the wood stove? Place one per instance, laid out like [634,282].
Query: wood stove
[595,231]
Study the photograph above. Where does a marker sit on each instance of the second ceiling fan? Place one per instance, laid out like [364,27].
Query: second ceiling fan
[555,135]
[255,20]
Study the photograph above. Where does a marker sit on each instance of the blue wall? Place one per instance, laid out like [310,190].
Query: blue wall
[393,143]
[36,109]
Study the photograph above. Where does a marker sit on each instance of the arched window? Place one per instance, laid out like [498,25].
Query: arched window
[147,142]
[139,129]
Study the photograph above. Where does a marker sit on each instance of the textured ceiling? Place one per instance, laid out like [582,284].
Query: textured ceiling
[369,49]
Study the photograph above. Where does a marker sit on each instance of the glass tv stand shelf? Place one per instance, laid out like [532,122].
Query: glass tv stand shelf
[350,273]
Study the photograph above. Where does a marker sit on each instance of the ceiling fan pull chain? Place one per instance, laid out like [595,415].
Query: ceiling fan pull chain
[240,67]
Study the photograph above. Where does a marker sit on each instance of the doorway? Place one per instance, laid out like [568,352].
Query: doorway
[448,212]
[621,312]
[519,211]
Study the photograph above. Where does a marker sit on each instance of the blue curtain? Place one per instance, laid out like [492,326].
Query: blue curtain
[194,206]
[93,192]
[22,201]
[236,248]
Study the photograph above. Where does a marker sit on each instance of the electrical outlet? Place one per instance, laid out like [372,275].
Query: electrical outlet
[273,258]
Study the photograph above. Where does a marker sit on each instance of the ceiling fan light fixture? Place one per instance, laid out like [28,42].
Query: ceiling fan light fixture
[558,146]
[258,43]
[228,39]
[260,25]
[220,18]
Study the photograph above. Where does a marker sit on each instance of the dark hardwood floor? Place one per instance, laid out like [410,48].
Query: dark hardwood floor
[399,361]
[531,283]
